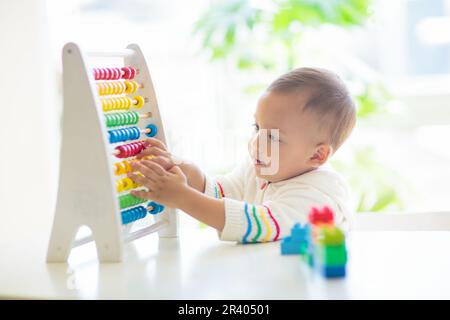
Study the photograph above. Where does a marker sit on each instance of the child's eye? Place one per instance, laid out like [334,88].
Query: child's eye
[256,126]
[272,137]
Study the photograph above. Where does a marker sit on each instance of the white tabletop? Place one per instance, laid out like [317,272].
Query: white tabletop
[199,266]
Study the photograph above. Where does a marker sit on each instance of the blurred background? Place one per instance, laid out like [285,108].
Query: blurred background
[210,61]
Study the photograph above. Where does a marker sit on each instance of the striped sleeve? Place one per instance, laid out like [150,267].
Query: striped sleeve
[247,223]
[273,219]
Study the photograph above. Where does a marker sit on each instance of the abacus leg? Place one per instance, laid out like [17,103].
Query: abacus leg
[109,247]
[171,230]
[61,241]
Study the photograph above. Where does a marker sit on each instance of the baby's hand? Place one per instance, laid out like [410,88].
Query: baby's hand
[165,187]
[158,150]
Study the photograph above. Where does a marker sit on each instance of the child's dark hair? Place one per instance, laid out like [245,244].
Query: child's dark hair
[328,98]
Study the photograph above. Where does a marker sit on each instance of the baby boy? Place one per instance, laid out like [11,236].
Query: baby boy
[301,119]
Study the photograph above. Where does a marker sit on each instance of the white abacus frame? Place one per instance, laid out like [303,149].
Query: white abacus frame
[87,195]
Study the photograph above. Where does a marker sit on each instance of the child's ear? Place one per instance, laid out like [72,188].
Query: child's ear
[321,154]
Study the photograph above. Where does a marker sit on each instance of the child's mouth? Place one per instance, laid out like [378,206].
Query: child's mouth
[260,163]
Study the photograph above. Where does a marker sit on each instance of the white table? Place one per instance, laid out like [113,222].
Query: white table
[199,266]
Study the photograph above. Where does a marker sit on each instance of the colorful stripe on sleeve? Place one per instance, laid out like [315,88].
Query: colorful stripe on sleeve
[219,190]
[263,210]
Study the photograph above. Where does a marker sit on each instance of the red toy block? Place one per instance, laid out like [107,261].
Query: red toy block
[324,216]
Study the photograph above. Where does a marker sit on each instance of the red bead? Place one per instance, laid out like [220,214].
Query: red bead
[126,73]
[114,74]
[109,72]
[133,72]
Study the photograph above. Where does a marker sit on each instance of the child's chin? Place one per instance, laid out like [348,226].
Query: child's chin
[268,177]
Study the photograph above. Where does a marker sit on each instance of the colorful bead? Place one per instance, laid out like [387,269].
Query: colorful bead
[113,104]
[128,73]
[133,214]
[130,150]
[125,184]
[121,135]
[114,73]
[154,208]
[139,102]
[128,200]
[153,130]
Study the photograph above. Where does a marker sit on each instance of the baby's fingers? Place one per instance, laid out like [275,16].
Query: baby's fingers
[142,194]
[154,167]
[155,142]
[152,151]
[144,181]
[147,172]
[164,162]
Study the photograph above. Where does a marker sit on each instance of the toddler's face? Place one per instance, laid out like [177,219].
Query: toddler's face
[287,141]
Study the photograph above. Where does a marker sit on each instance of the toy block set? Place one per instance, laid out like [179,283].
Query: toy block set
[319,242]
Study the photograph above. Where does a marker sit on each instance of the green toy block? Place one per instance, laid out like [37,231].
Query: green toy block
[331,255]
[330,235]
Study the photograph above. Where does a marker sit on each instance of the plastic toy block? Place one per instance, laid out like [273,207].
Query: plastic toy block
[309,259]
[333,272]
[323,216]
[310,254]
[331,256]
[290,247]
[329,235]
[298,233]
[320,243]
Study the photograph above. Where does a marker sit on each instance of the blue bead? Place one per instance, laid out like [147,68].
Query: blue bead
[155,207]
[153,130]
[137,133]
[112,136]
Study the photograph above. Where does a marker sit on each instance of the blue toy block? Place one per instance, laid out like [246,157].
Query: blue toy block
[290,247]
[333,272]
[298,233]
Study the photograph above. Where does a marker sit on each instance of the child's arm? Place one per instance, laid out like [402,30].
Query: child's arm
[170,188]
[195,177]
[236,220]
[232,183]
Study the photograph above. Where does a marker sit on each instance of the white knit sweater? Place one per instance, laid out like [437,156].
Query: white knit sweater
[257,211]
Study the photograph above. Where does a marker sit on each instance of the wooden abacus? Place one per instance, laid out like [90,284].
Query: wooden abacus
[97,148]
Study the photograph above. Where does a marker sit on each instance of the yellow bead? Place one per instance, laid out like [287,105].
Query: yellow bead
[123,87]
[128,102]
[117,169]
[135,86]
[127,166]
[119,186]
[127,183]
[128,86]
[139,102]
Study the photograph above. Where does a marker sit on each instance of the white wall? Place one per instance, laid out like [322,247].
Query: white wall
[28,139]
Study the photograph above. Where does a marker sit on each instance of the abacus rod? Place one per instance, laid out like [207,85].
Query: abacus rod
[115,54]
[145,231]
[134,101]
[145,115]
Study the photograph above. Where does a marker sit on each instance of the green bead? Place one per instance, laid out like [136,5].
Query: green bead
[128,200]
[120,119]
